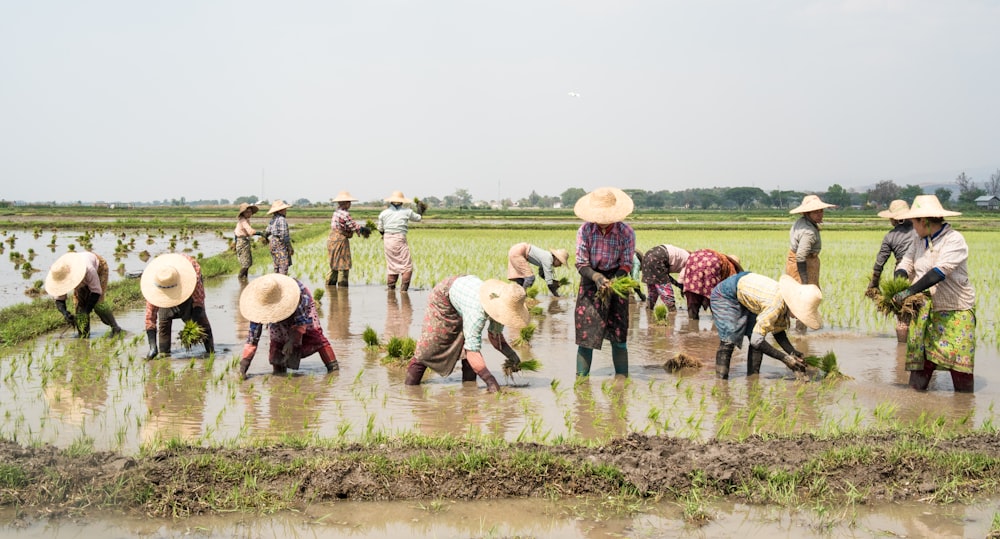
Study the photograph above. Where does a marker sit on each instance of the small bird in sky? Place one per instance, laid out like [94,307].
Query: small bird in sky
[574,94]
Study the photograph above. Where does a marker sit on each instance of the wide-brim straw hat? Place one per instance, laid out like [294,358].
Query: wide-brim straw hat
[397,197]
[277,206]
[811,203]
[802,300]
[244,207]
[344,196]
[927,206]
[504,302]
[896,208]
[271,298]
[561,255]
[604,205]
[66,273]
[168,280]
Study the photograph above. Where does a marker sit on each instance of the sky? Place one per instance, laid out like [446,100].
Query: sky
[139,101]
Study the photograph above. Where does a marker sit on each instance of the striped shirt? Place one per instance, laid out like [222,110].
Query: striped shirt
[464,297]
[761,296]
[277,230]
[605,251]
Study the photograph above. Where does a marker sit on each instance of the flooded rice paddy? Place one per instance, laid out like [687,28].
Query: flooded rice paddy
[102,393]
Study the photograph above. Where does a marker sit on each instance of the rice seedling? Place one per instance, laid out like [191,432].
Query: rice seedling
[191,334]
[883,299]
[525,335]
[318,294]
[399,349]
[681,361]
[622,286]
[370,337]
[660,313]
[828,364]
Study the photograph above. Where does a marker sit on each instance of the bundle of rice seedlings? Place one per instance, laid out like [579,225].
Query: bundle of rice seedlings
[884,304]
[369,227]
[660,313]
[400,348]
[828,364]
[318,295]
[420,205]
[524,337]
[191,334]
[623,286]
[532,291]
[370,337]
[531,365]
[681,361]
[536,310]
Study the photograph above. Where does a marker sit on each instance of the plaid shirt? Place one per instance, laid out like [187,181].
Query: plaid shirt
[343,221]
[464,297]
[304,315]
[277,230]
[761,296]
[197,296]
[605,251]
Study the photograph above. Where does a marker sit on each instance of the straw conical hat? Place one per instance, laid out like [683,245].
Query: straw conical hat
[927,206]
[277,206]
[561,255]
[397,197]
[811,203]
[168,280]
[896,208]
[271,298]
[504,302]
[344,196]
[66,273]
[604,205]
[244,207]
[802,300]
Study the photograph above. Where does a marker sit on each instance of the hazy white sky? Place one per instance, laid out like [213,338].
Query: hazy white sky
[142,100]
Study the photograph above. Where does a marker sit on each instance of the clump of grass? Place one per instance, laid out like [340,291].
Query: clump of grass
[419,205]
[318,294]
[400,349]
[191,334]
[536,310]
[660,313]
[681,361]
[531,365]
[370,337]
[622,286]
[828,364]
[525,335]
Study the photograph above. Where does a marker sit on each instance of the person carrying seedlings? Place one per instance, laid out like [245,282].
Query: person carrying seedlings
[522,256]
[173,288]
[943,334]
[288,309]
[605,247]
[279,237]
[658,264]
[703,270]
[458,310]
[86,275]
[897,242]
[338,245]
[244,238]
[393,224]
[805,243]
[754,305]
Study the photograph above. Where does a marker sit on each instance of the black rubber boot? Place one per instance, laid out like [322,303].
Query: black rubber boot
[754,358]
[414,373]
[342,280]
[723,357]
[619,358]
[468,374]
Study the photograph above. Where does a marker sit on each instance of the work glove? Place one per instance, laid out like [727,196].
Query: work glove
[876,275]
[642,297]
[794,363]
[803,272]
[258,233]
[151,338]
[365,232]
[782,339]
[68,316]
[901,273]
[600,280]
[90,302]
[929,279]
[554,289]
[900,297]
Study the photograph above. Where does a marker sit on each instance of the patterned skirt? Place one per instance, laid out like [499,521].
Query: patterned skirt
[945,338]
[442,342]
[281,256]
[244,252]
[598,320]
[338,250]
[732,320]
[706,268]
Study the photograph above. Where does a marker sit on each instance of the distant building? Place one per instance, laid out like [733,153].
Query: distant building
[989,202]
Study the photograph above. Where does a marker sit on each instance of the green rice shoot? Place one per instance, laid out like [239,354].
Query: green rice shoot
[660,313]
[370,337]
[884,304]
[536,310]
[525,335]
[318,295]
[530,365]
[191,334]
[828,364]
[623,286]
[400,349]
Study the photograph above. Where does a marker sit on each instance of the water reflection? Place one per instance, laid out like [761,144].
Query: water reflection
[77,386]
[175,401]
[601,417]
[285,405]
[398,315]
[338,316]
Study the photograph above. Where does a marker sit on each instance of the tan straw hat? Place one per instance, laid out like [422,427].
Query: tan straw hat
[277,206]
[271,298]
[66,273]
[896,208]
[561,255]
[811,203]
[244,207]
[397,197]
[927,206]
[802,300]
[344,196]
[168,280]
[504,302]
[604,205]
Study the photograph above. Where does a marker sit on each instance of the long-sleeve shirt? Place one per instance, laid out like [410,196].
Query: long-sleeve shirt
[947,253]
[805,239]
[762,296]
[277,230]
[304,315]
[396,219]
[660,261]
[197,296]
[91,279]
[343,222]
[243,228]
[464,297]
[897,242]
[543,259]
[605,251]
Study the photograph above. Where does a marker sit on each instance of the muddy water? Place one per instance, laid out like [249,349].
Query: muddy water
[103,393]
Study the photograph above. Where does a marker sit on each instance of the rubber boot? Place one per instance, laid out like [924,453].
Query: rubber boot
[404,281]
[468,374]
[332,279]
[163,327]
[278,369]
[243,274]
[106,316]
[619,358]
[244,367]
[151,339]
[584,357]
[391,281]
[723,356]
[414,373]
[754,359]
[342,280]
[329,358]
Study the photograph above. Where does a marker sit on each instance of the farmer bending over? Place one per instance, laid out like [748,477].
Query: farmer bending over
[522,256]
[173,288]
[86,275]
